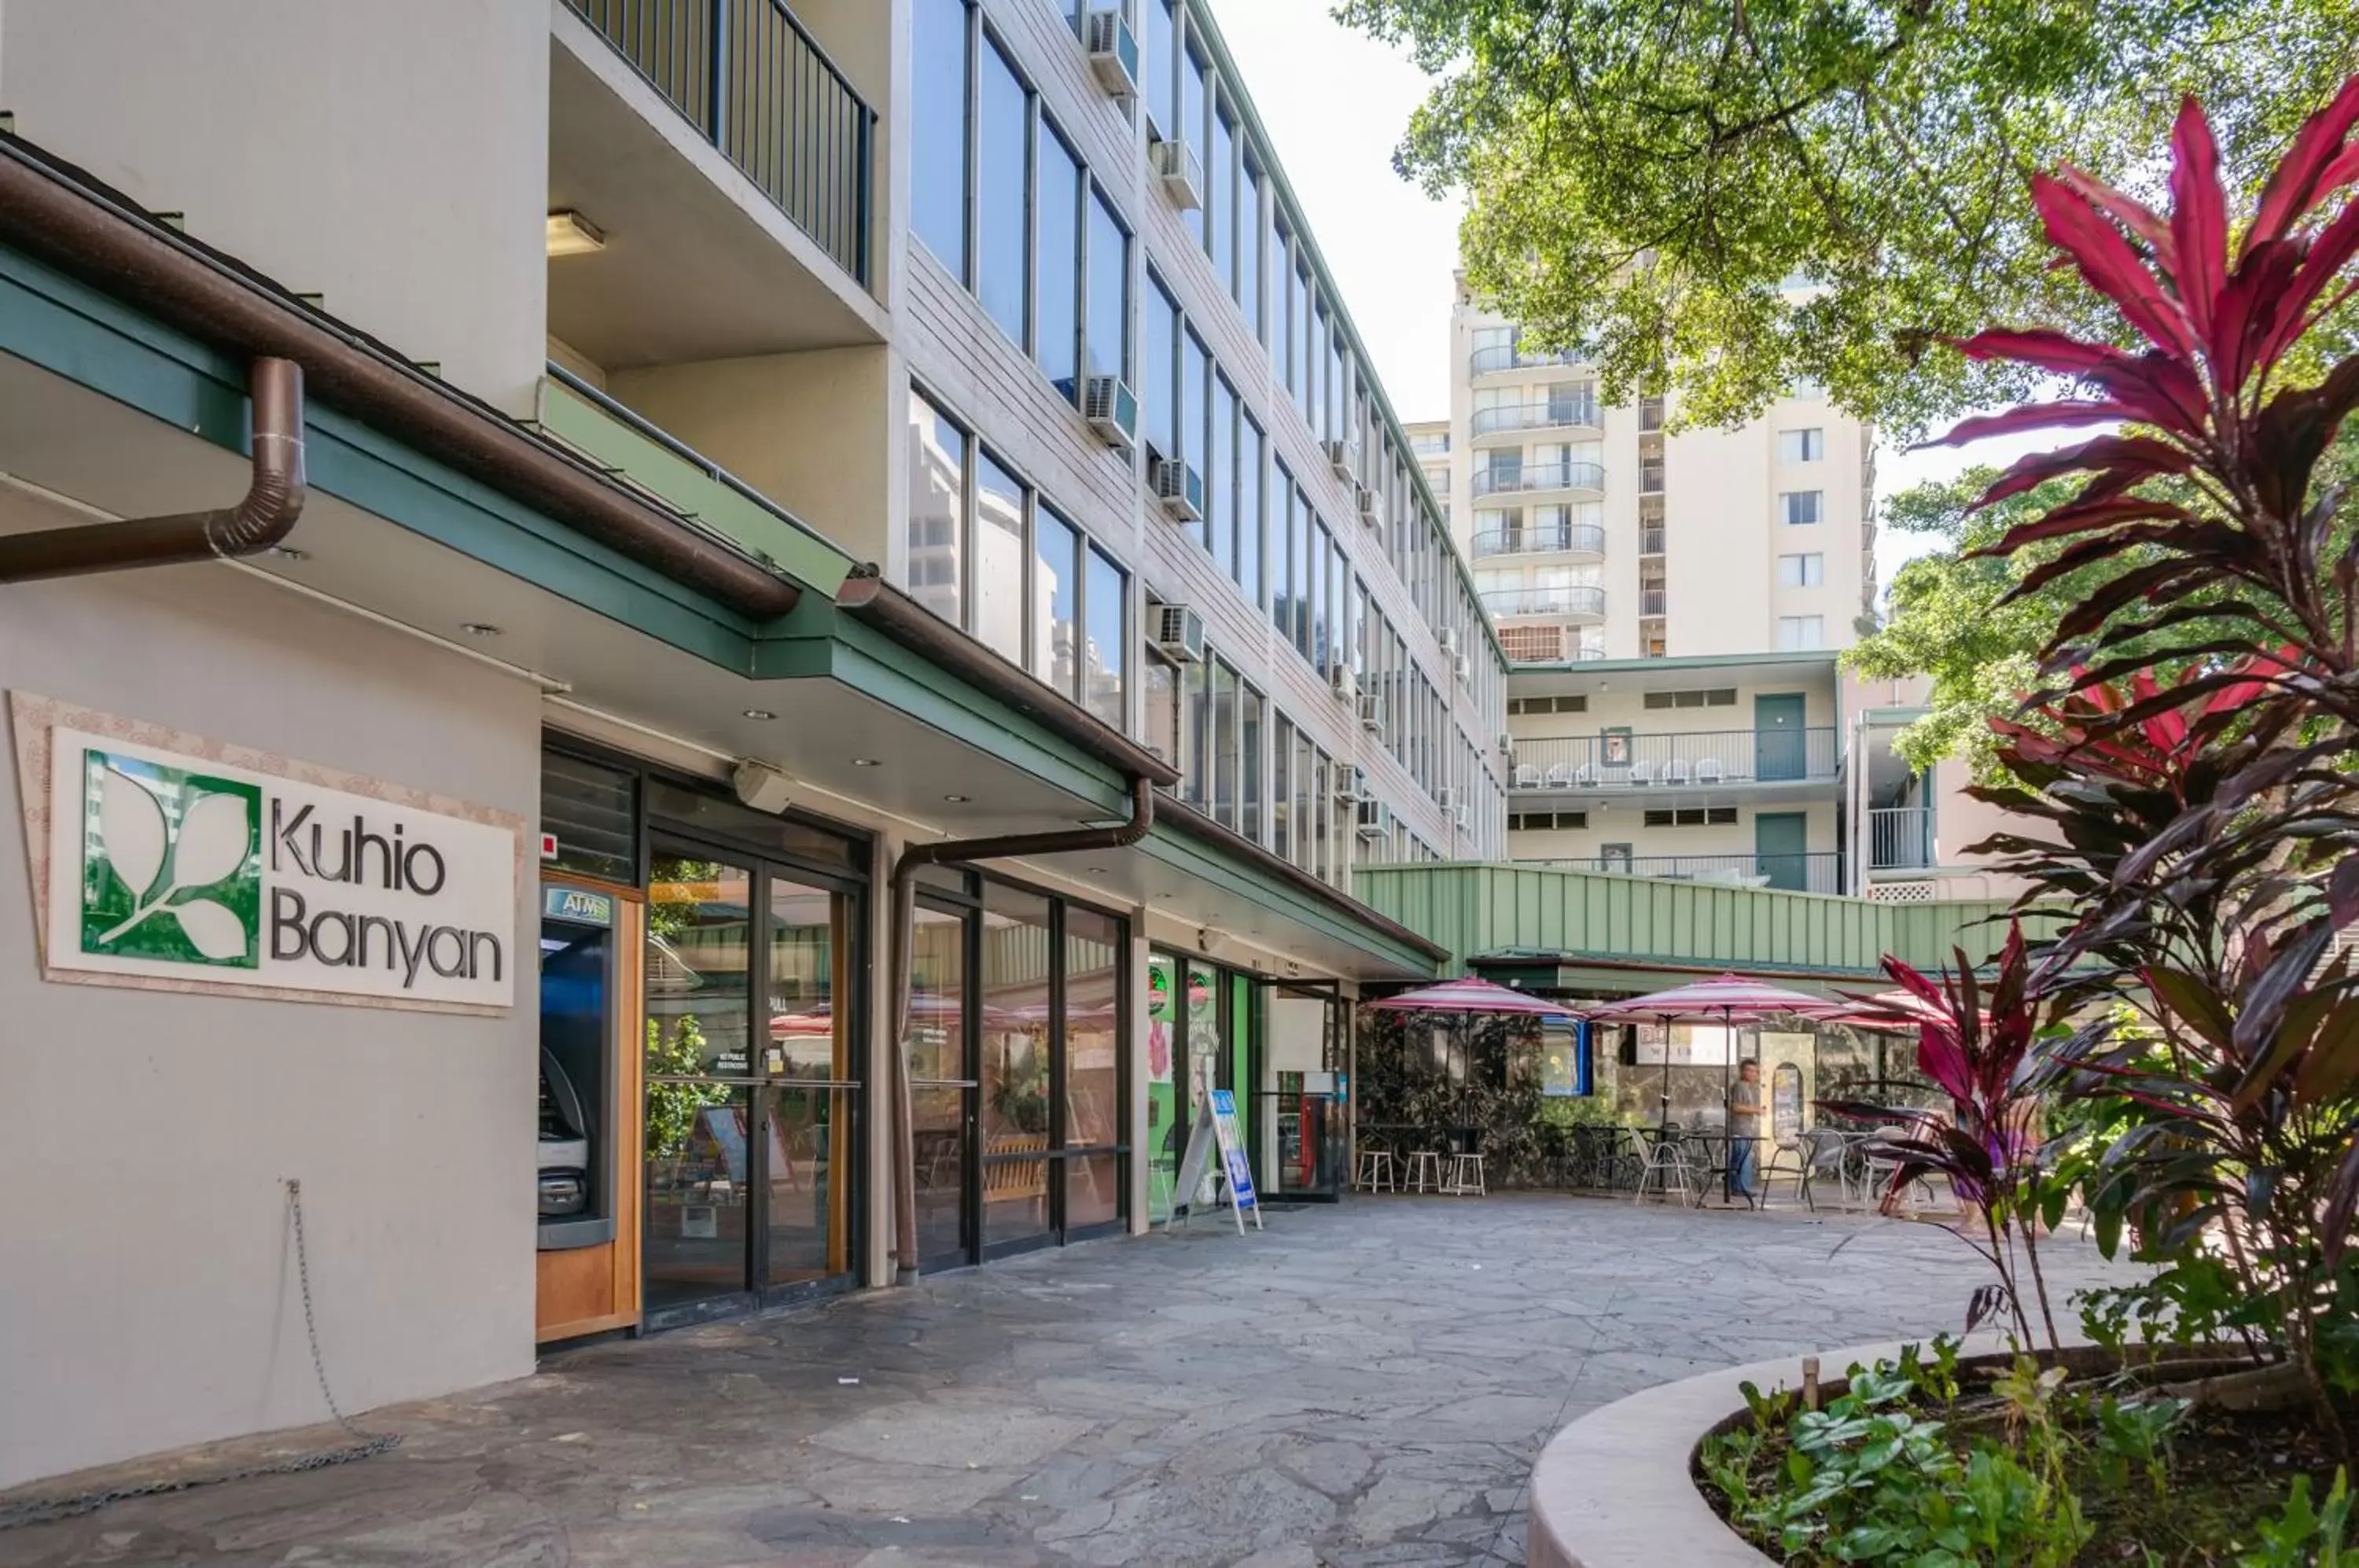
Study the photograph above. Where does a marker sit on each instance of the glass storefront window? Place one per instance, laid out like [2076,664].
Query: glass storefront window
[937,1081]
[1015,1066]
[699,1015]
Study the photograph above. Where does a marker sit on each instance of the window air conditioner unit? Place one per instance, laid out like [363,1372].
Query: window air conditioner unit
[1374,819]
[1178,489]
[1507,744]
[1343,457]
[1347,685]
[1448,637]
[1372,712]
[1113,53]
[1370,512]
[1111,409]
[1448,800]
[1179,633]
[1459,817]
[1178,170]
[1352,785]
[1465,670]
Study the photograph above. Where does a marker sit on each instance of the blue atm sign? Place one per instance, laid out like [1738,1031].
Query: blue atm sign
[578,905]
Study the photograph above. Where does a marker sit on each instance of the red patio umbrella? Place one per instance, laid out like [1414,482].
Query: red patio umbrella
[1472,996]
[1729,1000]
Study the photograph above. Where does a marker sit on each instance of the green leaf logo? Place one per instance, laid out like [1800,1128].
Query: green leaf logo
[171,871]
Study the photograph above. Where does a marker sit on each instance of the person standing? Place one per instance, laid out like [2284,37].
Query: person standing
[1744,1129]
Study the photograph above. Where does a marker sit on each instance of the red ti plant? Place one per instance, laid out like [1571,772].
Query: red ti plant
[2203,832]
[1976,1046]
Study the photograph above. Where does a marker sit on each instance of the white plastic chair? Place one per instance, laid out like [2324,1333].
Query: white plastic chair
[1675,771]
[1560,777]
[1526,776]
[1585,775]
[1642,773]
[1708,771]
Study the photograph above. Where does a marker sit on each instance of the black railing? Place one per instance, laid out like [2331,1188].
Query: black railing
[1700,757]
[1572,599]
[1539,476]
[1814,871]
[1540,540]
[1899,838]
[762,90]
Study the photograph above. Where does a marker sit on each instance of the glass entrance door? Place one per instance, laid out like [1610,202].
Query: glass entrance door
[753,1097]
[941,1087]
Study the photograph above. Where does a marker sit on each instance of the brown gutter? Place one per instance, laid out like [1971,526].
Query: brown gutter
[905,918]
[879,604]
[274,499]
[73,222]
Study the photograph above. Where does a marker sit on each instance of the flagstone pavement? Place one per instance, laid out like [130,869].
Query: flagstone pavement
[1360,1385]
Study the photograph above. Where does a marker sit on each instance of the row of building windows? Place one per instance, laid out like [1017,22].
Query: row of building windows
[988,553]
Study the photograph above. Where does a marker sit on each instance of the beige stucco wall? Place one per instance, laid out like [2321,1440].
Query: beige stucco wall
[144,1136]
[390,158]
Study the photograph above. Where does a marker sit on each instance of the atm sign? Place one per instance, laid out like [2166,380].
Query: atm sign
[578,905]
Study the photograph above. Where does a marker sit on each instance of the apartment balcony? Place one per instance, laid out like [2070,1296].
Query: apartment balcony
[1543,481]
[1498,361]
[1507,425]
[725,168]
[1577,604]
[1650,541]
[1813,871]
[1698,759]
[1651,601]
[1650,479]
[1575,541]
[1537,642]
[1900,838]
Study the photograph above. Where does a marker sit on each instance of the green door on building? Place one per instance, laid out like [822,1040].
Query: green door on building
[1777,740]
[1780,844]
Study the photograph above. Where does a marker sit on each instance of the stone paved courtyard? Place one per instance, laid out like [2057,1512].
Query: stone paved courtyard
[1366,1385]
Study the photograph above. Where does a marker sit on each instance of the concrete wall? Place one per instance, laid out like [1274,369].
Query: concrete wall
[144,1136]
[391,158]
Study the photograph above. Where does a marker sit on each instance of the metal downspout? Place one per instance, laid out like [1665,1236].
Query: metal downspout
[274,499]
[905,921]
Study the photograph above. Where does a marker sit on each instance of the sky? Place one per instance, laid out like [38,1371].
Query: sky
[1336,102]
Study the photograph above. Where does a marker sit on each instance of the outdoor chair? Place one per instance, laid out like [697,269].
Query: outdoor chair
[1585,775]
[1377,1172]
[1466,1177]
[1881,1164]
[1642,773]
[1666,1164]
[1708,771]
[1791,1156]
[1675,771]
[1526,776]
[1424,1171]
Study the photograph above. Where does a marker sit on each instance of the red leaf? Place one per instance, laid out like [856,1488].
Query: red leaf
[2248,309]
[2029,417]
[2136,457]
[2327,255]
[2110,267]
[2294,183]
[2199,217]
[2042,346]
[2133,215]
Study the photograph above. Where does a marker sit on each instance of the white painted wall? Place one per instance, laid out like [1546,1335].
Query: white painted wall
[143,1135]
[392,159]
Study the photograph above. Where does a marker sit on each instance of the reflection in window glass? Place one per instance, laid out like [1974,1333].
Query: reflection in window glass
[1195,372]
[810,1151]
[1055,596]
[1159,388]
[1194,739]
[1220,482]
[1109,290]
[1109,612]
[1306,826]
[1158,50]
[1060,261]
[936,1051]
[1015,1076]
[938,132]
[1252,533]
[1281,790]
[1224,743]
[1298,525]
[938,455]
[1251,239]
[1249,765]
[1191,131]
[1221,196]
[1093,1079]
[998,560]
[1002,126]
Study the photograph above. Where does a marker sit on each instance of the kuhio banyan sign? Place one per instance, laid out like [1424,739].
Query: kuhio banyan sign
[176,867]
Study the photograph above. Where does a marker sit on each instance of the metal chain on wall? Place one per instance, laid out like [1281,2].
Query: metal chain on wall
[46,1511]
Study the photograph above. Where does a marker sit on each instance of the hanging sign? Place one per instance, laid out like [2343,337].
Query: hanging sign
[170,865]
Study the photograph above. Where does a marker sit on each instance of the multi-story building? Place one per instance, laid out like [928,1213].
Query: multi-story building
[823,469]
[1597,531]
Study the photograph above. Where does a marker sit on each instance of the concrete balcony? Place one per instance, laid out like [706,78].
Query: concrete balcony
[1507,361]
[1507,425]
[1543,482]
[1572,542]
[1577,604]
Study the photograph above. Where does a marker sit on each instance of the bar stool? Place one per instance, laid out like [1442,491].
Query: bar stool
[1377,1173]
[1466,1178]
[1424,1173]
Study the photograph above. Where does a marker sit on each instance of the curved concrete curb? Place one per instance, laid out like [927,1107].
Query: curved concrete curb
[1615,1490]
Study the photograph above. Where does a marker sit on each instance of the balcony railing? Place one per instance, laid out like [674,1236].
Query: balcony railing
[1650,601]
[1650,479]
[783,113]
[1536,642]
[1650,542]
[1572,599]
[1696,758]
[1577,411]
[1492,360]
[1539,476]
[1650,415]
[1812,871]
[1587,538]
[1899,838]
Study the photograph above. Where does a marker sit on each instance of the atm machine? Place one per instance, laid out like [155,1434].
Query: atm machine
[587,1188]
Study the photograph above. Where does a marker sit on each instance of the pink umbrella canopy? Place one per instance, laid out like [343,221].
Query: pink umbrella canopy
[1731,998]
[1472,996]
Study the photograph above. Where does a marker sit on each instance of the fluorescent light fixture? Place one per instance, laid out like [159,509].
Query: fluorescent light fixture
[570,233]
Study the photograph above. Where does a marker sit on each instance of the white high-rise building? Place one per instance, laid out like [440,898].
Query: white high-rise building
[1597,532]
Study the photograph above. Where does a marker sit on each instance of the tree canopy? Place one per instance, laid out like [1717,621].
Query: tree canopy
[1723,198]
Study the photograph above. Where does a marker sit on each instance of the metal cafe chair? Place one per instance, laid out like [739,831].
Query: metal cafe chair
[1796,1157]
[1666,1163]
